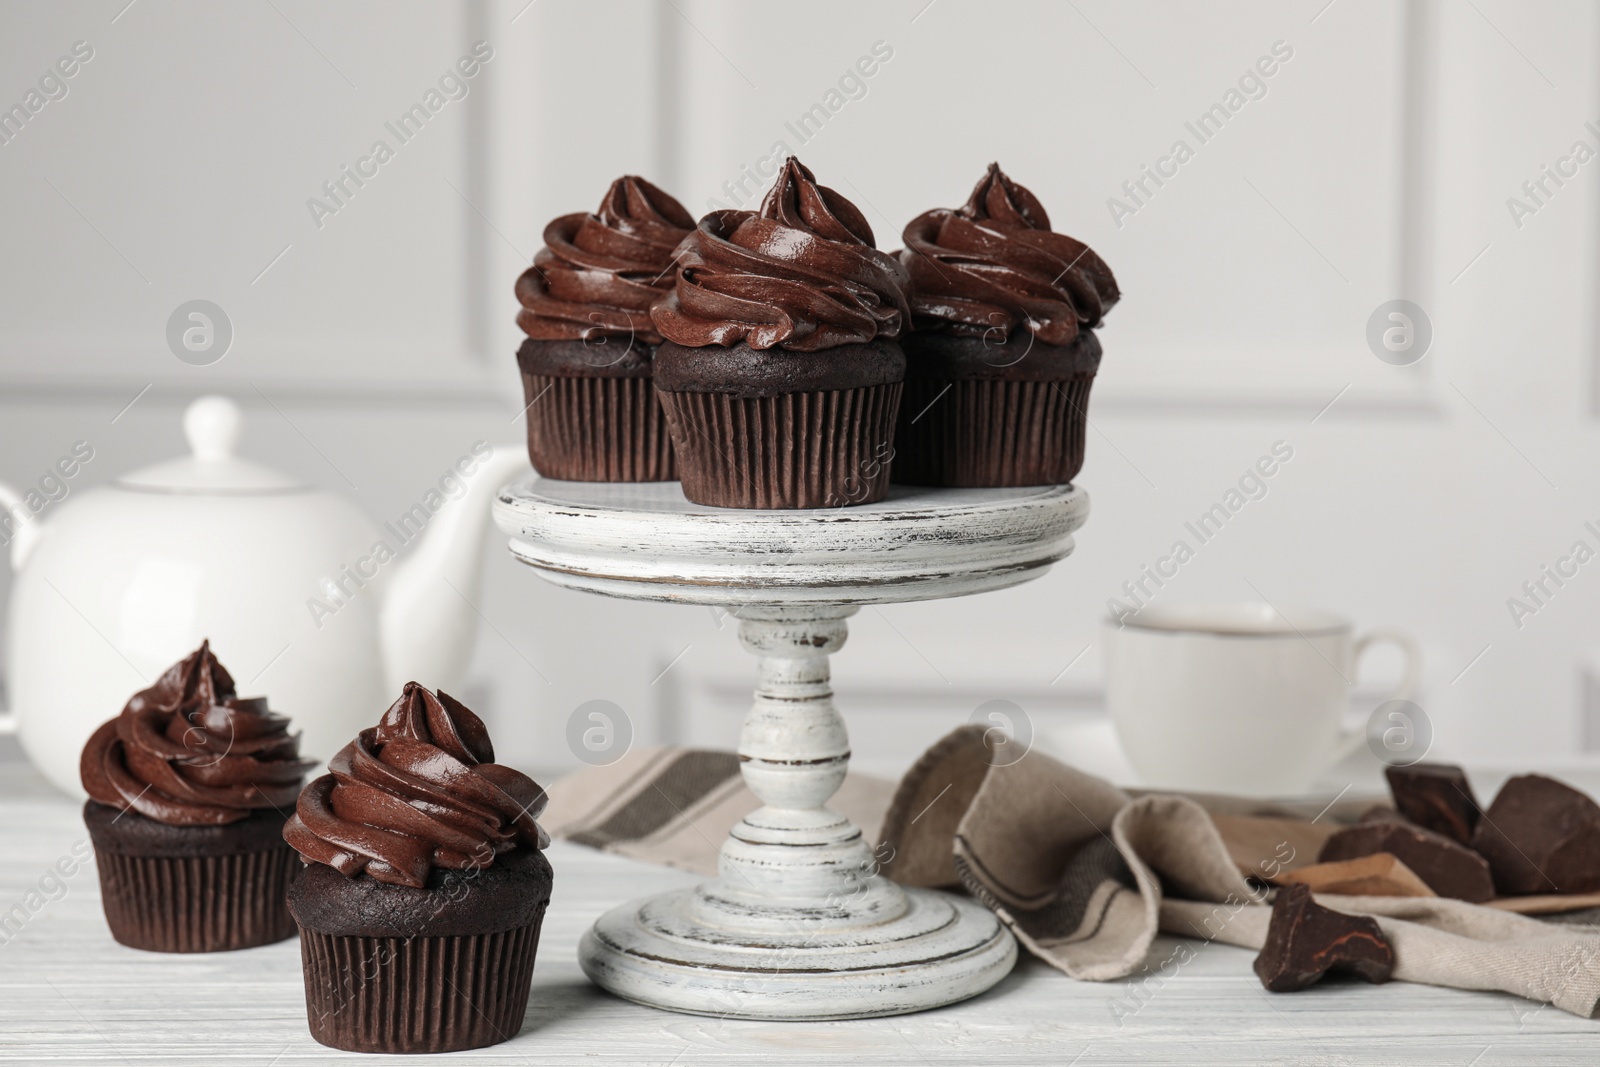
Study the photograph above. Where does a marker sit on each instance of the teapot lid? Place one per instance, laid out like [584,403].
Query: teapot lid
[212,425]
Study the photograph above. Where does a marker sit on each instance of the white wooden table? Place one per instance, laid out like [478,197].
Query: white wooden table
[71,995]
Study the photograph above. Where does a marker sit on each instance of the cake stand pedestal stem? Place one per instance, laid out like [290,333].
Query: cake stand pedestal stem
[792,863]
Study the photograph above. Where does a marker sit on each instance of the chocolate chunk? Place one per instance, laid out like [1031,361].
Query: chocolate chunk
[1305,941]
[1541,836]
[1449,869]
[1436,796]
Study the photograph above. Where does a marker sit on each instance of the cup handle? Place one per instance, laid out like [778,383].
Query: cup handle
[1411,650]
[1354,737]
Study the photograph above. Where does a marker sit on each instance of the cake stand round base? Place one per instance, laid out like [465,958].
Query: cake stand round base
[663,951]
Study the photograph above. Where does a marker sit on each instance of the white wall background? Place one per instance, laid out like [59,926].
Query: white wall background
[372,350]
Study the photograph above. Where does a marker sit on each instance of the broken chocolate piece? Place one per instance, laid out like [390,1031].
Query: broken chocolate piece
[1541,836]
[1437,797]
[1305,941]
[1449,869]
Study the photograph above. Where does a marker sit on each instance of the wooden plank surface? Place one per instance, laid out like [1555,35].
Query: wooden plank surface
[71,995]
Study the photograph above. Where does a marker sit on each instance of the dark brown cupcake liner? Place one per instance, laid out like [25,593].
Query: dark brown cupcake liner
[418,994]
[597,429]
[987,433]
[815,449]
[198,903]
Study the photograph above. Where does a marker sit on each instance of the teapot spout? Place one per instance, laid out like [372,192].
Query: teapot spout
[427,621]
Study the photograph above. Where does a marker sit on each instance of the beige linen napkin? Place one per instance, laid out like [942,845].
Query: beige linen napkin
[1083,873]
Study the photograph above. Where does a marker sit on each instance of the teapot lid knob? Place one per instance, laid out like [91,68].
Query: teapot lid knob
[211,424]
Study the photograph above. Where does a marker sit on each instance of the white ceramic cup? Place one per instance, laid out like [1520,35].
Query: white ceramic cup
[1238,697]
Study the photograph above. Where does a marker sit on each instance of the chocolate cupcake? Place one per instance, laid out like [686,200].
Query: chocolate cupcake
[188,792]
[592,411]
[780,374]
[1001,352]
[426,885]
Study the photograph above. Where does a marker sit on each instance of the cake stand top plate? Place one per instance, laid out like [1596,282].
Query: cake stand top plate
[644,541]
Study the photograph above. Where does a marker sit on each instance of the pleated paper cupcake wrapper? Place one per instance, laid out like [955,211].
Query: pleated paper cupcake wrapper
[982,433]
[597,429]
[198,903]
[418,994]
[818,449]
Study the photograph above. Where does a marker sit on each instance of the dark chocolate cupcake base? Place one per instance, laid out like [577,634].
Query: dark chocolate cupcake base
[418,994]
[991,433]
[778,429]
[193,888]
[820,449]
[597,430]
[977,415]
[590,420]
[439,969]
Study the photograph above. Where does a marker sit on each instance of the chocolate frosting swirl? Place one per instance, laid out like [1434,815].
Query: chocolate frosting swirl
[994,265]
[802,273]
[598,274]
[189,752]
[418,791]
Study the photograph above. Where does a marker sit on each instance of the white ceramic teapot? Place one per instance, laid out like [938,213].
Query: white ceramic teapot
[304,599]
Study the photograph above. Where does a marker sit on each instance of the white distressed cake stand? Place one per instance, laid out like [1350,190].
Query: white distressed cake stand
[798,924]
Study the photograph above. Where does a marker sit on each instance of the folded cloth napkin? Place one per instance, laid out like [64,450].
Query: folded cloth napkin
[1083,873]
